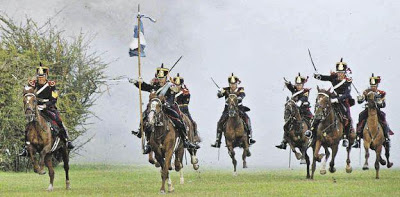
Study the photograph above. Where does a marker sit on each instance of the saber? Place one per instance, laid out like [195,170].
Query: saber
[175,63]
[215,83]
[309,53]
[355,88]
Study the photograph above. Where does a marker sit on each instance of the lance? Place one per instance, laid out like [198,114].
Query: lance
[215,83]
[139,16]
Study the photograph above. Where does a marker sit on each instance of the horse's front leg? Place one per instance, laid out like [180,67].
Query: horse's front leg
[31,151]
[332,168]
[231,153]
[65,155]
[168,158]
[42,159]
[378,158]
[349,169]
[323,166]
[49,165]
[366,147]
[246,151]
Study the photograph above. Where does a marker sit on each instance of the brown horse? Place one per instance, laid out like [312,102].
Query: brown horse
[373,134]
[329,133]
[164,141]
[191,135]
[235,135]
[294,128]
[40,139]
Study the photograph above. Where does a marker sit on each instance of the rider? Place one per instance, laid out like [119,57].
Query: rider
[300,96]
[343,100]
[239,91]
[362,118]
[182,98]
[162,87]
[47,95]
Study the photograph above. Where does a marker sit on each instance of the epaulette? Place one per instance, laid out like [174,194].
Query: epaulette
[349,79]
[383,93]
[52,83]
[185,91]
[32,83]
[241,89]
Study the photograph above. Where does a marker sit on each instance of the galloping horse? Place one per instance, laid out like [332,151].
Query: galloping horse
[190,132]
[294,128]
[235,135]
[373,135]
[329,133]
[40,139]
[164,140]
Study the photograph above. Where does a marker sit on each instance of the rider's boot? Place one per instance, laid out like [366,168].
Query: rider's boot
[217,143]
[186,142]
[65,134]
[24,152]
[282,145]
[250,133]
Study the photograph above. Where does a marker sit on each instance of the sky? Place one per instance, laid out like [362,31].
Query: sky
[259,41]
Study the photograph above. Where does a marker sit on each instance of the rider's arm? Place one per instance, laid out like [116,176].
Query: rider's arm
[346,93]
[186,96]
[54,95]
[222,92]
[290,87]
[145,86]
[381,100]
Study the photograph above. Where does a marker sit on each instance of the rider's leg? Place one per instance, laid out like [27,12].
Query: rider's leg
[360,127]
[138,133]
[177,120]
[24,152]
[220,129]
[283,143]
[386,129]
[249,128]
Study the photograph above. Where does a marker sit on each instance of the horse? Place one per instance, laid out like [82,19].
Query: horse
[295,127]
[373,135]
[329,133]
[164,141]
[191,135]
[235,134]
[40,139]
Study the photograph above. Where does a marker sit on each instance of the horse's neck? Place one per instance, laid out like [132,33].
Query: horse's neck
[297,113]
[331,117]
[372,115]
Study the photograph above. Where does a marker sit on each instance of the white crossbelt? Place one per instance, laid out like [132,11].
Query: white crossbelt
[41,89]
[297,93]
[339,84]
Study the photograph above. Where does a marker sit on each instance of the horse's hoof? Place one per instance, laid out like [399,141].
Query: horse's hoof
[152,161]
[349,169]
[68,186]
[234,174]
[50,188]
[196,166]
[170,168]
[303,161]
[42,172]
[171,190]
[248,154]
[244,166]
[389,165]
[182,181]
[308,177]
[320,156]
[162,191]
[157,165]
[194,160]
[298,156]
[365,167]
[377,177]
[332,170]
[382,162]
[322,172]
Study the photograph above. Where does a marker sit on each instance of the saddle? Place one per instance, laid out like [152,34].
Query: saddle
[55,130]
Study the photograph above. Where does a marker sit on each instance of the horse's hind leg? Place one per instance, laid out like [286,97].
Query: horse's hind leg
[387,154]
[246,152]
[152,161]
[65,157]
[308,163]
[49,165]
[193,159]
[378,157]
[168,158]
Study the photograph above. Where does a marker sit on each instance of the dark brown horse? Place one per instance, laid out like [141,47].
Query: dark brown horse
[373,135]
[195,139]
[164,141]
[295,127]
[329,133]
[40,139]
[235,135]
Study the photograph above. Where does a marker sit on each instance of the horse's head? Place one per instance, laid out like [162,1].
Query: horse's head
[323,104]
[289,109]
[371,99]
[30,103]
[155,109]
[232,102]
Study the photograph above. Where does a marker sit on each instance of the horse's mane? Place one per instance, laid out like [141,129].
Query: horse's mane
[328,92]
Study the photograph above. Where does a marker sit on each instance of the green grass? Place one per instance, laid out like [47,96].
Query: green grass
[104,180]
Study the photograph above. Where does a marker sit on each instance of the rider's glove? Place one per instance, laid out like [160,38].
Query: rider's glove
[221,91]
[317,76]
[360,98]
[335,100]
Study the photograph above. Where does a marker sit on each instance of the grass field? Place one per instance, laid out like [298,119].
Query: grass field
[103,180]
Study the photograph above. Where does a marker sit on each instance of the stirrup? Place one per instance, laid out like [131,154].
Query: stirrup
[281,146]
[70,145]
[308,134]
[24,153]
[356,144]
[216,145]
[345,143]
[147,149]
[251,141]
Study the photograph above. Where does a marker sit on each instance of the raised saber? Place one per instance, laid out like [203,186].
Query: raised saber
[215,83]
[175,63]
[312,62]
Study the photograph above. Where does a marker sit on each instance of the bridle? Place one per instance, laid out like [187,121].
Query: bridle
[27,108]
[326,110]
[290,114]
[232,105]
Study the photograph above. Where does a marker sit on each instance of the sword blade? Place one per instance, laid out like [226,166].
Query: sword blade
[215,83]
[309,53]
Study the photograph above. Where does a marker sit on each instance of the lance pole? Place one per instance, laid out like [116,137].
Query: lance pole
[140,76]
